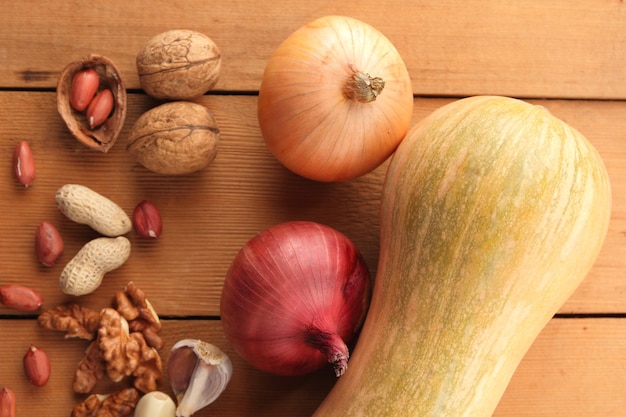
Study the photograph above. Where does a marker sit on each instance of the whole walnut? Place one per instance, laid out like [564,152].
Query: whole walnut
[175,138]
[178,65]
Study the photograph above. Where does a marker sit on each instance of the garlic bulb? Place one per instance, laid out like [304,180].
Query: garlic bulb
[198,372]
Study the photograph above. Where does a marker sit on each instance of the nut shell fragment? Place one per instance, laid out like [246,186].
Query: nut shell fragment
[104,136]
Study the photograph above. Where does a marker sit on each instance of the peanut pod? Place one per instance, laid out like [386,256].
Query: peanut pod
[85,206]
[83,274]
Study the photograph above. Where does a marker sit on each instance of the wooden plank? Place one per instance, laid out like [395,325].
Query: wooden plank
[208,216]
[529,49]
[574,369]
[571,365]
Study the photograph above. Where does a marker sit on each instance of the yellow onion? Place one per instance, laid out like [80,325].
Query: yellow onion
[335,99]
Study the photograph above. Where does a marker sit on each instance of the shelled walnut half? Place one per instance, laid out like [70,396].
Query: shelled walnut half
[141,316]
[117,404]
[118,347]
[76,321]
[127,354]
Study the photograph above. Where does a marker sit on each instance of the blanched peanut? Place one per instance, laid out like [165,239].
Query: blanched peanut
[83,274]
[85,206]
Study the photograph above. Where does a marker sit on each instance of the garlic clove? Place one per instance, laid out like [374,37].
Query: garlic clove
[155,404]
[181,364]
[199,372]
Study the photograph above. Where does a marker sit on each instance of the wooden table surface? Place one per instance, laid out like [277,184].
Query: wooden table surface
[567,55]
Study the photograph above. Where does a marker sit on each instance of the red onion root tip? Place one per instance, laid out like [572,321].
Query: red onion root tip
[331,345]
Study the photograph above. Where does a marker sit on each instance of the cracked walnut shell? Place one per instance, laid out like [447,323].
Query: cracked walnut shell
[175,138]
[178,65]
[102,137]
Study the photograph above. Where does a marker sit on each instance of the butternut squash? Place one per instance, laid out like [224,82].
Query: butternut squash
[493,211]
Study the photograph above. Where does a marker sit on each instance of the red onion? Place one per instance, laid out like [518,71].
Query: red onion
[293,297]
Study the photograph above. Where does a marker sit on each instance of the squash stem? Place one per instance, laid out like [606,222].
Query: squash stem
[332,347]
[362,87]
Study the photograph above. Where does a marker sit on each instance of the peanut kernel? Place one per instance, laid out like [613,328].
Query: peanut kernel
[7,403]
[100,108]
[48,243]
[84,87]
[147,220]
[37,366]
[24,164]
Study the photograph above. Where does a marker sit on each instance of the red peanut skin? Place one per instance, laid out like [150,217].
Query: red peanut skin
[7,403]
[20,298]
[37,366]
[84,87]
[24,164]
[147,220]
[100,108]
[48,243]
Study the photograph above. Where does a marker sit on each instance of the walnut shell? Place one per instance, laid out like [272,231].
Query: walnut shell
[103,137]
[175,138]
[178,65]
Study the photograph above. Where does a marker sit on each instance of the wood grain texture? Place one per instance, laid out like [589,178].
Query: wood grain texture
[566,55]
[530,49]
[571,364]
